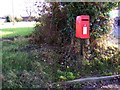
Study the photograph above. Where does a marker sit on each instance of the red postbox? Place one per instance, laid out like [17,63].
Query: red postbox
[83,26]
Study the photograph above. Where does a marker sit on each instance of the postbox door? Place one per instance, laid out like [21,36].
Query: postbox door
[85,29]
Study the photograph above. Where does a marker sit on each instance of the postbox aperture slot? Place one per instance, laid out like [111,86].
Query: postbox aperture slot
[84,19]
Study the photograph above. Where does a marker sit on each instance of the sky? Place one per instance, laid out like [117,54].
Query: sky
[18,7]
[15,7]
[113,13]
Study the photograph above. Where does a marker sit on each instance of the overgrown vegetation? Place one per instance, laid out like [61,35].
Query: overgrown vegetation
[60,21]
[20,68]
[57,29]
[26,65]
[56,56]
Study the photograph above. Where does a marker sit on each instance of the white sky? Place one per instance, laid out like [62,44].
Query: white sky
[14,7]
[18,7]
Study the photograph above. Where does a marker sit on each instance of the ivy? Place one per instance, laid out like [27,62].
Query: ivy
[98,12]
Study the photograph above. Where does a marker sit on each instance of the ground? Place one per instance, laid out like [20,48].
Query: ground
[29,65]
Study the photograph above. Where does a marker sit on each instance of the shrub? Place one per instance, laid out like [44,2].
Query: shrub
[58,25]
[8,19]
[98,12]
[18,19]
[52,25]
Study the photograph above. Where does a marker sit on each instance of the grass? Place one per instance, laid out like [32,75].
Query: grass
[12,32]
[23,69]
[20,68]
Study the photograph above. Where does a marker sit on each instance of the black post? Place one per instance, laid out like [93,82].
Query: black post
[81,48]
[81,55]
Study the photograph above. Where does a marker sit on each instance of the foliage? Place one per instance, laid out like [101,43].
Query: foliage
[35,68]
[11,19]
[61,75]
[26,67]
[30,67]
[8,19]
[18,19]
[51,24]
[60,20]
[57,27]
[98,12]
[22,69]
